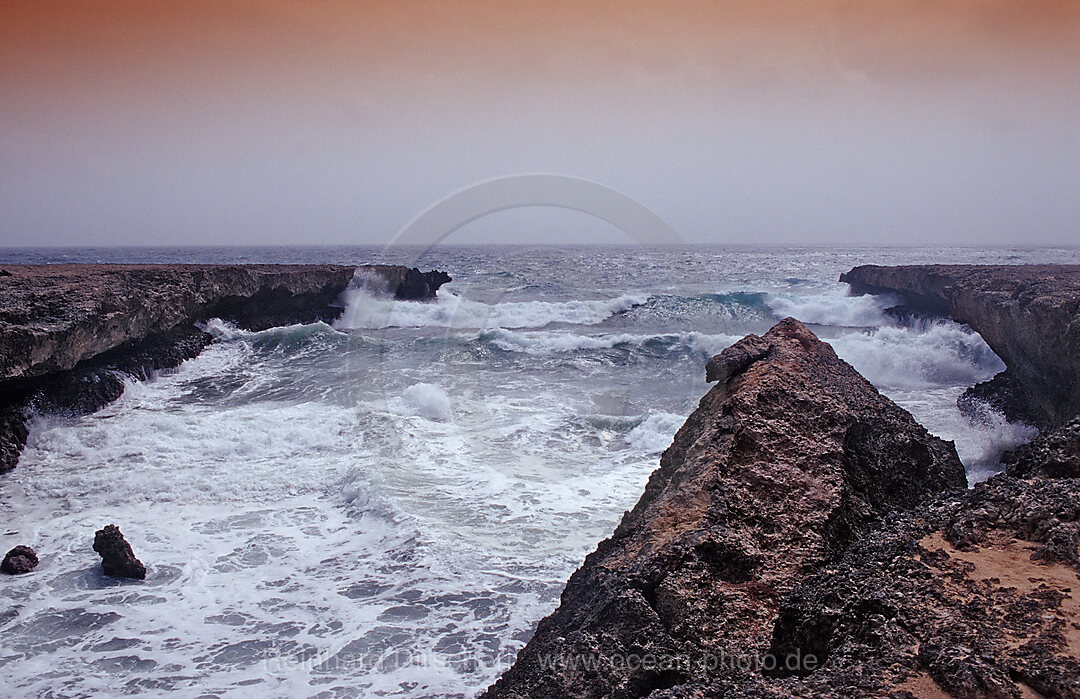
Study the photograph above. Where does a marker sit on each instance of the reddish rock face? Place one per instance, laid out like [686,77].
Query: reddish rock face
[789,458]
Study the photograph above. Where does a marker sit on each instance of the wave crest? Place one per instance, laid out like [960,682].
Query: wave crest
[833,310]
[931,355]
[364,310]
[546,343]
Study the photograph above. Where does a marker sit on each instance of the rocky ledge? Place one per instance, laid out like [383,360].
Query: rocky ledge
[786,462]
[1028,314]
[805,537]
[69,334]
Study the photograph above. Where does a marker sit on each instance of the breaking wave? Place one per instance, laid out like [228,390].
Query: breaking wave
[364,309]
[932,355]
[423,400]
[832,309]
[284,334]
[655,433]
[546,343]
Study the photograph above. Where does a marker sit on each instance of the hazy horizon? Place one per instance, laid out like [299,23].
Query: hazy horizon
[742,122]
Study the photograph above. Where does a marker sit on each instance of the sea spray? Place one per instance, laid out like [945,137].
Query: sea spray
[306,493]
[424,400]
[934,354]
[546,343]
[832,309]
[366,310]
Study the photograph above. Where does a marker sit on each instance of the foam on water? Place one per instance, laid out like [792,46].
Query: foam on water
[554,342]
[927,355]
[335,512]
[365,309]
[834,309]
[224,330]
[295,547]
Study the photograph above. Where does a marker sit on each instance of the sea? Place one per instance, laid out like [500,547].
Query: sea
[388,504]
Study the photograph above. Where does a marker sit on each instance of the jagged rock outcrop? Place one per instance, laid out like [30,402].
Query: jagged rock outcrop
[782,465]
[69,334]
[1053,454]
[971,596]
[409,283]
[117,558]
[19,560]
[1028,314]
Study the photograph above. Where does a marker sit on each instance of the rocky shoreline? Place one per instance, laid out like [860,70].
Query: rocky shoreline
[804,536]
[70,334]
[1028,314]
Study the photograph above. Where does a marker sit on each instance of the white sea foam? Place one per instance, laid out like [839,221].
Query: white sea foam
[832,309]
[710,345]
[293,543]
[226,331]
[423,400]
[929,355]
[364,309]
[655,433]
[554,342]
[983,441]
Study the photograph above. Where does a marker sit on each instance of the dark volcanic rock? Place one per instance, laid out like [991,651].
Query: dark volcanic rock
[970,596]
[1054,454]
[117,558]
[781,466]
[70,334]
[1028,314]
[18,560]
[13,433]
[410,283]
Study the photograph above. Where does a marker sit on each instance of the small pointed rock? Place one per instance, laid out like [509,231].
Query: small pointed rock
[117,558]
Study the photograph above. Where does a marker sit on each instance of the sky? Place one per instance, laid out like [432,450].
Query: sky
[248,122]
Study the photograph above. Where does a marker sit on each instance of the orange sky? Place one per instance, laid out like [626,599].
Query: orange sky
[137,48]
[220,81]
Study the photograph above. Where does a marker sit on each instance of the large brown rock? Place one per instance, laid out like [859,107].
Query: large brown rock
[1028,314]
[788,459]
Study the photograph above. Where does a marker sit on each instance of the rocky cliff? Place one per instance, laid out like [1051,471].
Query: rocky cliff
[781,467]
[70,333]
[1028,314]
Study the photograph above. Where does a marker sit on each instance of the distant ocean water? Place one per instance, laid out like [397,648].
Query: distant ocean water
[388,505]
